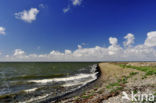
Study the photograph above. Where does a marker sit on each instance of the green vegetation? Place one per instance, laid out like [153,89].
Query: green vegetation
[117,86]
[144,76]
[87,96]
[133,73]
[150,70]
[111,85]
[116,89]
[100,91]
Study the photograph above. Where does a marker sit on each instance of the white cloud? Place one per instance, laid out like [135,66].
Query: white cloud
[68,52]
[18,52]
[79,46]
[2,30]
[56,53]
[151,39]
[129,40]
[65,10]
[113,52]
[114,48]
[76,2]
[27,15]
[113,41]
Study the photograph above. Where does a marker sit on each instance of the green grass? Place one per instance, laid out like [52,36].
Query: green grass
[87,96]
[133,73]
[116,89]
[117,85]
[149,70]
[111,85]
[123,80]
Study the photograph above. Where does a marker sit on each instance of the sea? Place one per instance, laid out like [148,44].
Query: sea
[35,82]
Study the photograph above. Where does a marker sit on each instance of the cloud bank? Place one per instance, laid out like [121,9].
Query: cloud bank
[27,15]
[114,52]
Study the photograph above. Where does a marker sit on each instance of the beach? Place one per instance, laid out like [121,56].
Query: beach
[115,79]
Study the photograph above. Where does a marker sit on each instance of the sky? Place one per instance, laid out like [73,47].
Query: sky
[77,30]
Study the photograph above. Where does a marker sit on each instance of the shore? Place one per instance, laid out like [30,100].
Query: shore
[113,80]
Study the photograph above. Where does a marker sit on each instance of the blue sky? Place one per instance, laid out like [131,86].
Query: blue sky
[88,23]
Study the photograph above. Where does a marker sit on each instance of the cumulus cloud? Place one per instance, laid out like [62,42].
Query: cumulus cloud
[27,15]
[151,39]
[129,40]
[113,41]
[114,48]
[68,52]
[56,53]
[114,52]
[2,30]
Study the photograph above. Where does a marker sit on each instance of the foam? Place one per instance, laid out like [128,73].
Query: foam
[30,90]
[78,80]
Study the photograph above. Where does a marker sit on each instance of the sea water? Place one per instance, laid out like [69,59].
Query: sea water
[41,81]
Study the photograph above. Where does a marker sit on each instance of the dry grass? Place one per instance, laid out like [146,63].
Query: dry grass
[111,72]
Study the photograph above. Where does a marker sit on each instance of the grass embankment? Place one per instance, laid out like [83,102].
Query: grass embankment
[120,84]
[149,70]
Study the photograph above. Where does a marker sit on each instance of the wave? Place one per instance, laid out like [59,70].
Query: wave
[77,77]
[71,83]
[35,99]
[30,90]
[76,81]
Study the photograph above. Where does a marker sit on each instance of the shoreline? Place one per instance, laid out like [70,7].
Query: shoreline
[43,94]
[112,81]
[76,92]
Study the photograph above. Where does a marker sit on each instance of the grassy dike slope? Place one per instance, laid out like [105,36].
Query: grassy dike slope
[113,80]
